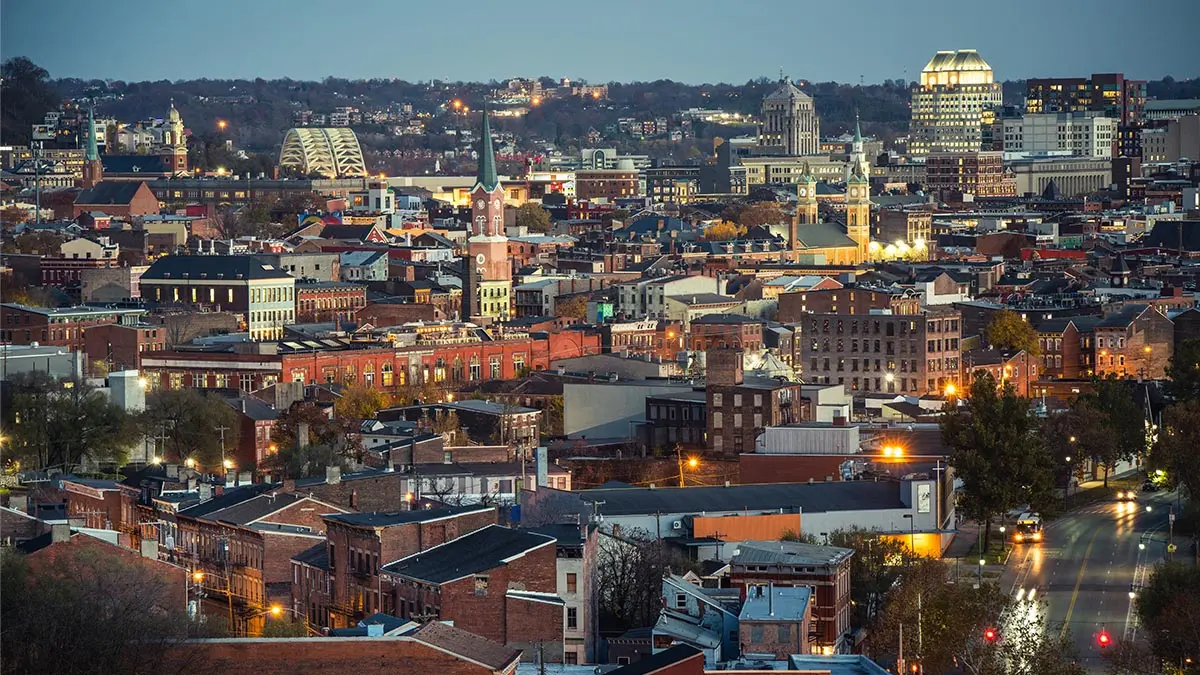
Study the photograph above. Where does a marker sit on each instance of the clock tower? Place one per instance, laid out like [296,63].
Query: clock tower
[858,214]
[488,267]
[806,205]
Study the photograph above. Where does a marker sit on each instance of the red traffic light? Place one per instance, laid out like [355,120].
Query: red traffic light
[1103,638]
[990,635]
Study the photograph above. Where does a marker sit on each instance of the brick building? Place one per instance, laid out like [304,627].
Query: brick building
[913,354]
[255,424]
[825,570]
[775,621]
[610,184]
[357,544]
[852,300]
[677,418]
[432,648]
[318,301]
[101,504]
[495,582]
[911,225]
[1066,346]
[120,347]
[739,408]
[576,549]
[650,336]
[722,331]
[59,326]
[117,198]
[242,542]
[1137,341]
[111,284]
[1017,368]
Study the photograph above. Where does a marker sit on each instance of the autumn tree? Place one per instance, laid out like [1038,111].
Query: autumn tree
[723,230]
[1175,449]
[571,306]
[877,563]
[43,243]
[997,453]
[533,217]
[1007,330]
[360,402]
[12,216]
[190,424]
[760,213]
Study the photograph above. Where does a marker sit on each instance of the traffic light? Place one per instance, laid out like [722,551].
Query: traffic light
[989,634]
[1103,639]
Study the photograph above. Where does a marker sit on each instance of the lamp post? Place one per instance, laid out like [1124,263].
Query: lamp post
[1003,541]
[912,534]
[981,564]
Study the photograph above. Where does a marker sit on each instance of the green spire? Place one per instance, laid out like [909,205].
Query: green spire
[92,152]
[806,176]
[857,130]
[487,157]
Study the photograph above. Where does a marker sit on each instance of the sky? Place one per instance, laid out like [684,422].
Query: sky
[693,41]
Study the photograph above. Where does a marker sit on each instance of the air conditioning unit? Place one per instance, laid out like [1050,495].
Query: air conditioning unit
[677,525]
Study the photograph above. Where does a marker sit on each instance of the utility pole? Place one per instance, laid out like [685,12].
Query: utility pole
[679,459]
[224,469]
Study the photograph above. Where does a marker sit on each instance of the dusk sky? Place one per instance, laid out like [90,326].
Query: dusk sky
[611,40]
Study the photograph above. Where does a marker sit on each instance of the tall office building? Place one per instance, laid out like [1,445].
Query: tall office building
[1108,94]
[957,97]
[790,125]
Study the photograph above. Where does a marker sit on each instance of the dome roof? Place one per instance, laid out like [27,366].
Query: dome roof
[963,59]
[173,114]
[787,92]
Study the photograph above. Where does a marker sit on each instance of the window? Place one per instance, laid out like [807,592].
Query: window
[571,658]
[717,420]
[717,399]
[680,601]
[572,618]
[572,582]
[756,634]
[785,633]
[481,584]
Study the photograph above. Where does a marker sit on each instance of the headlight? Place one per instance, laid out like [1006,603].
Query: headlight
[1020,536]
[1037,536]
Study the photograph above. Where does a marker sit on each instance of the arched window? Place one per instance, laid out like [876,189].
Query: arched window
[388,376]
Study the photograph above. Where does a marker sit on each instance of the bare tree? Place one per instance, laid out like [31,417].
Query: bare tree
[629,570]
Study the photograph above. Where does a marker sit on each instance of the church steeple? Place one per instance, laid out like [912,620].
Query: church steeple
[486,175]
[93,169]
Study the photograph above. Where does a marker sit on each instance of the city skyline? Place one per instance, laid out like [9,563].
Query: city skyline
[806,41]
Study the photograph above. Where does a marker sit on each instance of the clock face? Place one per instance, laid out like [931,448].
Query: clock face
[479,259]
[853,192]
[803,192]
[479,204]
[496,204]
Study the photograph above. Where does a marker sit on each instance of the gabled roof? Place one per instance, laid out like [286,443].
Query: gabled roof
[656,662]
[229,498]
[477,552]
[1124,317]
[391,518]
[246,512]
[315,556]
[467,646]
[109,193]
[823,235]
[134,164]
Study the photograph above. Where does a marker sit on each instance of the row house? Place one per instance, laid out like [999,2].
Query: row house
[647,297]
[914,354]
[101,504]
[721,331]
[1137,341]
[319,301]
[357,544]
[739,408]
[240,543]
[850,300]
[652,337]
[58,326]
[495,582]
[1015,367]
[1066,346]
[576,548]
[120,347]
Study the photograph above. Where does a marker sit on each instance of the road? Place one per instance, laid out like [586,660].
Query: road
[1083,572]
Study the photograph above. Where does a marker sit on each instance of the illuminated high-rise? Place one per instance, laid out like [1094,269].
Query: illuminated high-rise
[790,125]
[957,97]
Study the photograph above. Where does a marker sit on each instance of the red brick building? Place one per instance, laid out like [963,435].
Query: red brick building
[358,544]
[59,326]
[720,331]
[243,541]
[474,581]
[1066,345]
[739,408]
[101,504]
[610,184]
[256,423]
[1137,341]
[433,648]
[823,569]
[328,300]
[1017,368]
[69,272]
[796,305]
[117,198]
[121,347]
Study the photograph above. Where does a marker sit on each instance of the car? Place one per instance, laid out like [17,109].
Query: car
[1149,486]
[1126,495]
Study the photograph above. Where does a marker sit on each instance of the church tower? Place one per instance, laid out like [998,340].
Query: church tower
[806,206]
[858,157]
[858,214]
[174,147]
[93,169]
[488,267]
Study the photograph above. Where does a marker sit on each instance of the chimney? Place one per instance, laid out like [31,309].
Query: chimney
[149,549]
[18,502]
[839,419]
[289,485]
[333,475]
[543,467]
[302,435]
[60,532]
[205,492]
[770,598]
[243,402]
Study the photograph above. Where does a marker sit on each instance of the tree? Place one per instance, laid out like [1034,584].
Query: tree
[533,217]
[1175,450]
[13,216]
[1115,430]
[571,306]
[360,402]
[1169,610]
[945,628]
[88,611]
[1007,330]
[552,417]
[43,243]
[65,423]
[1183,371]
[874,568]
[629,573]
[723,230]
[996,451]
[760,213]
[26,95]
[338,434]
[189,422]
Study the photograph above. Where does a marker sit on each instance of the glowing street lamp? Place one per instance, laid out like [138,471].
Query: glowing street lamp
[221,124]
[951,389]
[693,462]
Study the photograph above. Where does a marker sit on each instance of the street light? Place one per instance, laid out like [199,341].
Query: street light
[982,562]
[1003,541]
[912,533]
[951,390]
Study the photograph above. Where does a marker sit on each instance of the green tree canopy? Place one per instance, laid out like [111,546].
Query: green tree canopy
[189,423]
[26,95]
[1007,330]
[996,451]
[1183,371]
[533,217]
[1175,451]
[1169,609]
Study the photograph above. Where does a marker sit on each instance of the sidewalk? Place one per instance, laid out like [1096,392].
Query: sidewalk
[964,538]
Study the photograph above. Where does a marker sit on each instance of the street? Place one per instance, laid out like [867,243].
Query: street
[1081,576]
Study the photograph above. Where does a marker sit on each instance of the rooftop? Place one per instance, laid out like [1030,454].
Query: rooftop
[776,603]
[212,267]
[392,518]
[789,552]
[809,497]
[477,552]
